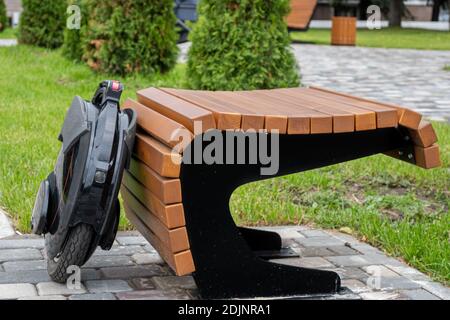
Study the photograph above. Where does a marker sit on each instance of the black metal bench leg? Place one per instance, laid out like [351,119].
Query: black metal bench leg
[261,240]
[226,266]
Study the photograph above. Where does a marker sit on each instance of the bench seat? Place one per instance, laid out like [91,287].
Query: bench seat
[152,188]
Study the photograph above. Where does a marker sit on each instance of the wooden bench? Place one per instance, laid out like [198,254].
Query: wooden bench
[182,208]
[301,14]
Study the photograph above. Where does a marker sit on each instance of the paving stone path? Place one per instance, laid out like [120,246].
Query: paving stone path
[411,78]
[133,270]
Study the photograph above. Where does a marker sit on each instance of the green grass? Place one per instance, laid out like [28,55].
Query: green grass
[388,203]
[393,205]
[36,88]
[385,38]
[447,68]
[8,34]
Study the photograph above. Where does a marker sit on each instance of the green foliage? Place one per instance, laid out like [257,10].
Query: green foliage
[73,39]
[241,45]
[127,36]
[3,17]
[42,23]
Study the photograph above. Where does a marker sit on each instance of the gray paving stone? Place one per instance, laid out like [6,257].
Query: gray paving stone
[356,286]
[104,286]
[380,270]
[393,283]
[19,254]
[350,273]
[320,242]
[149,248]
[357,260]
[90,274]
[170,282]
[436,288]
[53,288]
[133,272]
[127,241]
[381,295]
[418,294]
[306,262]
[15,266]
[34,277]
[343,251]
[94,296]
[314,233]
[143,283]
[108,261]
[315,252]
[408,272]
[147,258]
[56,297]
[22,244]
[16,290]
[120,251]
[153,295]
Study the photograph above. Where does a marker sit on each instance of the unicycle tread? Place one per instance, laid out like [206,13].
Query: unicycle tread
[73,254]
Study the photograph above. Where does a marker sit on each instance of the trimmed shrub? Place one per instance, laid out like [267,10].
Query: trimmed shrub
[241,45]
[42,23]
[3,17]
[73,40]
[127,36]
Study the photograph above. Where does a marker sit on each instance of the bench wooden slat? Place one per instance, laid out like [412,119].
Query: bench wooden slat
[176,240]
[176,109]
[364,119]
[424,136]
[160,127]
[250,119]
[157,156]
[167,190]
[226,118]
[273,119]
[343,121]
[172,216]
[300,120]
[181,263]
[427,158]
[387,116]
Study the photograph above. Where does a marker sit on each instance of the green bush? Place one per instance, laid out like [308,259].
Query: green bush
[73,39]
[127,36]
[241,45]
[42,23]
[3,17]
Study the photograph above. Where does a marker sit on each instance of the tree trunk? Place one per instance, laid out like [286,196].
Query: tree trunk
[395,13]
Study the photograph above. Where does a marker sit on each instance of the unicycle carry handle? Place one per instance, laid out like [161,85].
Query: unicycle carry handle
[108,91]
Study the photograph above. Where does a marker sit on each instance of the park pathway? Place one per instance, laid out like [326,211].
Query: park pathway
[411,78]
[133,270]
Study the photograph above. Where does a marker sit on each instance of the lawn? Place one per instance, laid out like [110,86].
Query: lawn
[447,68]
[398,207]
[8,34]
[385,38]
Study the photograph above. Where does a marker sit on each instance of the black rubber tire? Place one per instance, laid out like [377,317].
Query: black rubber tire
[73,253]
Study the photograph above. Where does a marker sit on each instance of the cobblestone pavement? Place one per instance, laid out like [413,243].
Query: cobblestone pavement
[411,78]
[133,270]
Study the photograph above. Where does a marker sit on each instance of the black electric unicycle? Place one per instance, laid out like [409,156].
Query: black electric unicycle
[77,206]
